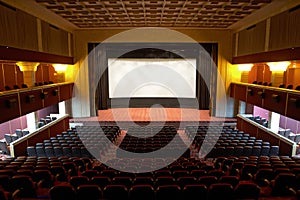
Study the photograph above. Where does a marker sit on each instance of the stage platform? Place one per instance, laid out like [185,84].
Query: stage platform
[124,117]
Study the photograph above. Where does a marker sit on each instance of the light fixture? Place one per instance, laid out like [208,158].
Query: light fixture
[27,66]
[59,68]
[278,66]
[245,67]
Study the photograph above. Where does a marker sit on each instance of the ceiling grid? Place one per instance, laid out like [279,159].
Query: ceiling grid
[148,13]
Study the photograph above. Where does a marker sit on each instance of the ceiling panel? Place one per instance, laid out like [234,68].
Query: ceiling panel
[148,13]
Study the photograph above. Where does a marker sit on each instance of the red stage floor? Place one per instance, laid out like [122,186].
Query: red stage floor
[154,115]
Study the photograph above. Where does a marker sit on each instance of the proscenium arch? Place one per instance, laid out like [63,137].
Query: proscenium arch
[205,90]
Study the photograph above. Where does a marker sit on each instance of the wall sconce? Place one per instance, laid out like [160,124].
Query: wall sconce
[60,68]
[27,66]
[245,67]
[278,66]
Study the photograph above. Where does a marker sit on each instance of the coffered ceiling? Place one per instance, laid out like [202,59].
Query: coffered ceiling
[153,13]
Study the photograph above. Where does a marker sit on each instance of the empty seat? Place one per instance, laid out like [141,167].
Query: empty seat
[256,151]
[232,180]
[220,191]
[195,190]
[101,181]
[168,192]
[67,151]
[122,180]
[19,133]
[274,151]
[115,192]
[76,152]
[263,176]
[207,180]
[247,151]
[164,180]
[7,138]
[265,151]
[62,192]
[93,192]
[90,173]
[75,181]
[283,183]
[49,151]
[24,185]
[5,182]
[246,190]
[186,180]
[40,151]
[58,151]
[138,192]
[147,180]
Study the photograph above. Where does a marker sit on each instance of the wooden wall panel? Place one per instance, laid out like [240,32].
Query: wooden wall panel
[293,106]
[1,78]
[9,106]
[285,149]
[52,96]
[19,77]
[253,96]
[30,101]
[240,92]
[8,24]
[294,28]
[250,129]
[275,101]
[27,31]
[54,40]
[39,74]
[285,30]
[45,73]
[252,39]
[279,31]
[9,74]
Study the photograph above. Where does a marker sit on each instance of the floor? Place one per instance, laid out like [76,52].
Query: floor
[155,115]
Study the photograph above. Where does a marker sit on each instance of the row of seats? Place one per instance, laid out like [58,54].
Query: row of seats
[145,140]
[228,142]
[77,142]
[14,87]
[229,178]
[46,120]
[288,134]
[260,120]
[23,85]
[290,86]
[284,132]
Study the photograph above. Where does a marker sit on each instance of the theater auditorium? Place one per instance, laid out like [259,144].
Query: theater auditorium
[149,99]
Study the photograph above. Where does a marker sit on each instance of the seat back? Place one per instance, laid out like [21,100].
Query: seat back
[220,191]
[62,192]
[115,192]
[93,192]
[195,190]
[145,192]
[246,190]
[168,192]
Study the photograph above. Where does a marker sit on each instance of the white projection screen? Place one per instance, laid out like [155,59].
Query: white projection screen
[152,78]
